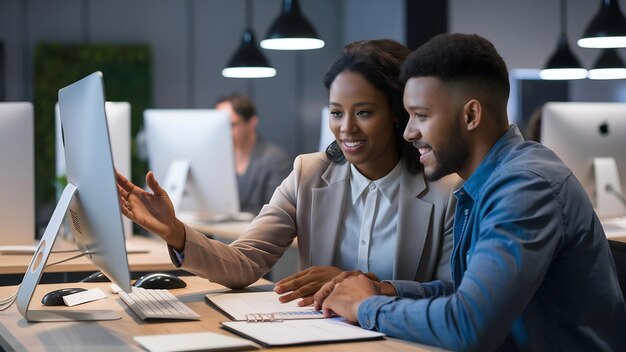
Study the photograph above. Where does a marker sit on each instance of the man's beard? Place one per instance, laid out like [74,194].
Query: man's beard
[450,158]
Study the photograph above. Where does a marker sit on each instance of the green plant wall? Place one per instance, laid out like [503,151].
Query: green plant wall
[127,77]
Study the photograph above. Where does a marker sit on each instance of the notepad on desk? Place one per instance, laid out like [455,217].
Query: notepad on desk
[260,306]
[261,317]
[300,332]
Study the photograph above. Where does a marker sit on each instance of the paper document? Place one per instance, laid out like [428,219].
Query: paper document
[199,341]
[295,332]
[261,306]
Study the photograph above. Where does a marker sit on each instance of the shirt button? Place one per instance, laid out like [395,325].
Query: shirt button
[372,186]
[363,242]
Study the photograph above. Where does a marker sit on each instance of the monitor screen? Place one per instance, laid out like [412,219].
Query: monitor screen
[90,200]
[326,135]
[581,132]
[118,122]
[17,178]
[202,141]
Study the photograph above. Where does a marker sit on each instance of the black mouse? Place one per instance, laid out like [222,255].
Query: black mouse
[160,281]
[98,276]
[55,298]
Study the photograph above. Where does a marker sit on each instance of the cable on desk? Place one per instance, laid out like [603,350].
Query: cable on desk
[8,301]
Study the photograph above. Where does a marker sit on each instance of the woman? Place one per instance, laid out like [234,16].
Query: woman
[363,206]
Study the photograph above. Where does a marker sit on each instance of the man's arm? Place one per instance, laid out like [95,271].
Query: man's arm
[520,229]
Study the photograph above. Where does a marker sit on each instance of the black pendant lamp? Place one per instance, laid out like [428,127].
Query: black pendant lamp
[563,64]
[291,30]
[607,28]
[609,65]
[248,61]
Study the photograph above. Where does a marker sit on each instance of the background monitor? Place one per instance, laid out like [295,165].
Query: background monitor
[191,155]
[581,132]
[17,178]
[90,199]
[118,122]
[326,135]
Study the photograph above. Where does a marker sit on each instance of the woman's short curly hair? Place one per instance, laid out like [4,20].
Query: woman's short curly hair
[379,62]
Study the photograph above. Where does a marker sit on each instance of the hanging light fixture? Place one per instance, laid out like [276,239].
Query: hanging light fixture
[609,65]
[248,61]
[291,30]
[607,28]
[563,64]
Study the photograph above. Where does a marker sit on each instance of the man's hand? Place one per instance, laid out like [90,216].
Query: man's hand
[152,211]
[346,296]
[381,288]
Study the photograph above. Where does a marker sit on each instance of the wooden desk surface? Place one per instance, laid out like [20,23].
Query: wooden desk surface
[117,335]
[156,259]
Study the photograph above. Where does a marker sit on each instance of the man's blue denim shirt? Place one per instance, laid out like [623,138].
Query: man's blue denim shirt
[531,266]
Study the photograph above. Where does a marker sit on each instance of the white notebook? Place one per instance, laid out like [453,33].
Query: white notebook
[199,341]
[298,332]
[260,306]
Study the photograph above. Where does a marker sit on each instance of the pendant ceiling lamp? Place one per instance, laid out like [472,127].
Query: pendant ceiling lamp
[607,28]
[248,61]
[608,66]
[291,30]
[563,64]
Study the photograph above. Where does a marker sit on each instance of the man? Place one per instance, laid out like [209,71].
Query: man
[531,266]
[260,166]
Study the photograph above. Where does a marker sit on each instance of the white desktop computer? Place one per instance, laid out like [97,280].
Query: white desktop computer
[17,178]
[590,138]
[90,199]
[118,122]
[191,155]
[326,135]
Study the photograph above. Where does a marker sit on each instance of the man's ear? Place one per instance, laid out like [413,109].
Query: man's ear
[473,114]
[253,122]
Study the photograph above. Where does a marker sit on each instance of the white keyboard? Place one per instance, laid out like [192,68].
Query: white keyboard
[157,304]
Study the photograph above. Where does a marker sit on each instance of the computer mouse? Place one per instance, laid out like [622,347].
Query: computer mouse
[55,298]
[160,281]
[98,276]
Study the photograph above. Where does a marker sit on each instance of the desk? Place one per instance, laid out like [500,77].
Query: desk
[157,258]
[117,335]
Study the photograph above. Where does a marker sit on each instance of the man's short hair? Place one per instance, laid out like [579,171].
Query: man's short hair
[460,58]
[242,105]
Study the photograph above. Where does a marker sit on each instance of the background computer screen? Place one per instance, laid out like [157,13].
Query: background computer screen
[580,132]
[118,122]
[326,135]
[201,138]
[17,178]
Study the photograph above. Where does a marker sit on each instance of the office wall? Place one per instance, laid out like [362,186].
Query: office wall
[525,33]
[191,41]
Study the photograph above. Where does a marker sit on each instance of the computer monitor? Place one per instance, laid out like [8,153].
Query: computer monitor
[90,199]
[118,122]
[326,135]
[17,179]
[191,155]
[590,138]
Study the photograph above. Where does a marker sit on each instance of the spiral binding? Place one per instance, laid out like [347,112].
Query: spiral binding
[264,317]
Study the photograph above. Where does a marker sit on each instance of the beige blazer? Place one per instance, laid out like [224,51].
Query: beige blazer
[308,205]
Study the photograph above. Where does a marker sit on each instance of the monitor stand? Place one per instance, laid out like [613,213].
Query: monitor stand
[609,196]
[38,264]
[176,180]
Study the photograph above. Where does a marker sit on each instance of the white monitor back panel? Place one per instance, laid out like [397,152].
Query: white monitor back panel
[17,174]
[118,121]
[203,139]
